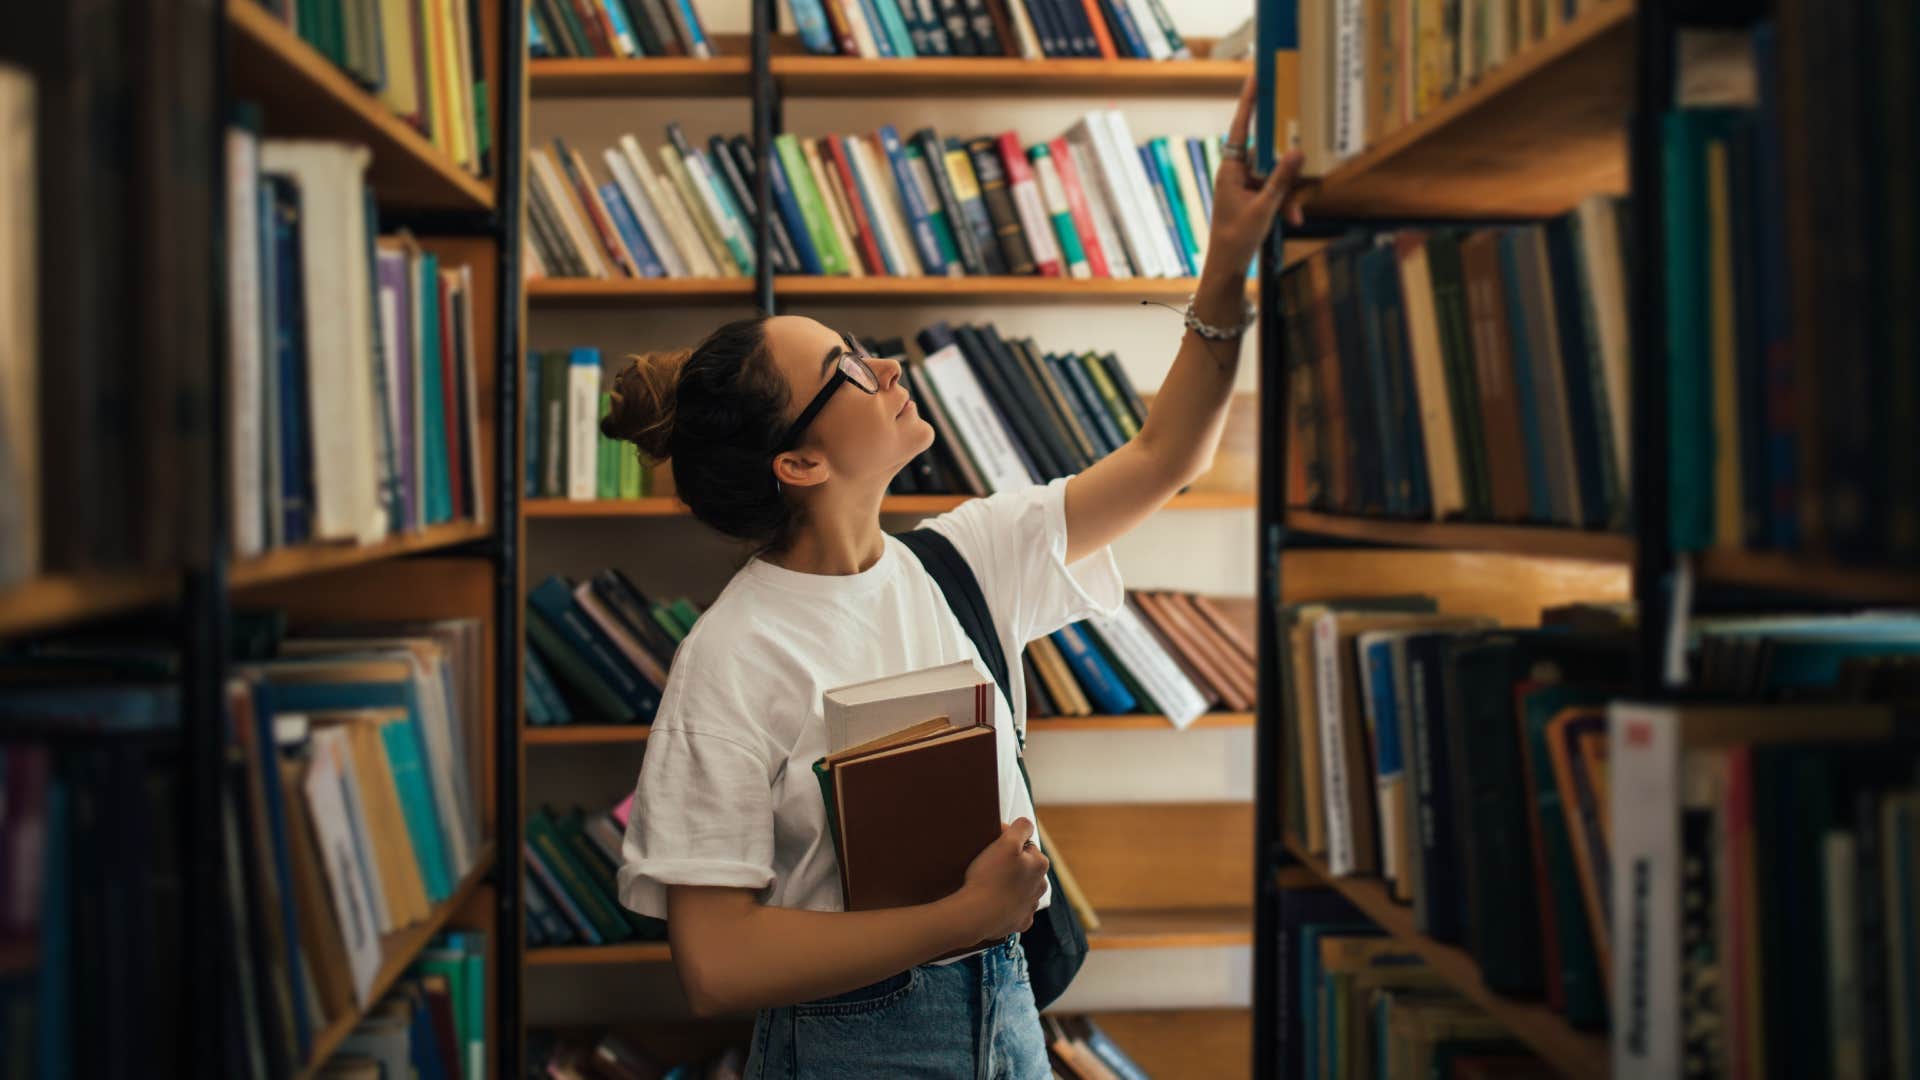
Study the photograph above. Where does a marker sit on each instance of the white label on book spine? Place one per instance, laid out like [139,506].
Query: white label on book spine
[979,425]
[1333,762]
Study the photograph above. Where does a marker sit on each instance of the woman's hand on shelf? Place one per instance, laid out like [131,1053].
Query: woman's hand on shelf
[1244,206]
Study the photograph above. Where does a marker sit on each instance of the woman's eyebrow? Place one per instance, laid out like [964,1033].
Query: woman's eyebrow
[832,355]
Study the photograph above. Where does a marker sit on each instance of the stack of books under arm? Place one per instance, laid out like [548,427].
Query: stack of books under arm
[607,1056]
[1464,374]
[425,59]
[433,1023]
[1792,380]
[1091,203]
[354,409]
[1171,654]
[1368,68]
[1079,1050]
[572,862]
[616,29]
[600,650]
[1029,29]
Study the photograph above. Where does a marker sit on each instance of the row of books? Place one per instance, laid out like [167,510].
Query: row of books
[432,1025]
[1031,29]
[1357,1004]
[1006,414]
[617,29]
[1369,67]
[1791,376]
[1208,641]
[426,60]
[1079,1050]
[354,780]
[1092,203]
[567,456]
[600,650]
[354,411]
[1478,374]
[608,1056]
[572,864]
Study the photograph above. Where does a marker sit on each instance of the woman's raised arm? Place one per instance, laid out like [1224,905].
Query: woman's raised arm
[1182,430]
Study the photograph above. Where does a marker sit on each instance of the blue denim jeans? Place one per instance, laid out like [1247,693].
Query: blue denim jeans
[972,1019]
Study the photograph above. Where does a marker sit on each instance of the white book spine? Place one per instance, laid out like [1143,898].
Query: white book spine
[1128,151]
[1117,193]
[967,406]
[1034,219]
[1158,47]
[357,916]
[644,214]
[1349,130]
[436,736]
[1333,761]
[561,196]
[1058,210]
[1100,208]
[666,204]
[732,229]
[1148,662]
[583,424]
[246,341]
[676,177]
[892,221]
[1643,788]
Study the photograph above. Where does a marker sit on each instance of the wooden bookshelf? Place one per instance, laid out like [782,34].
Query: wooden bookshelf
[669,506]
[803,75]
[813,288]
[303,93]
[49,602]
[1798,574]
[602,734]
[286,564]
[1569,1051]
[1535,136]
[397,952]
[1542,541]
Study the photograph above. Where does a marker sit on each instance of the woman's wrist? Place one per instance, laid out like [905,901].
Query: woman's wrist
[1220,299]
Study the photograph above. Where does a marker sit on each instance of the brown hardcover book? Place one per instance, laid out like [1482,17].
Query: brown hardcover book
[914,814]
[1235,617]
[1065,689]
[1238,668]
[1493,355]
[1198,669]
[1202,653]
[1333,409]
[1306,692]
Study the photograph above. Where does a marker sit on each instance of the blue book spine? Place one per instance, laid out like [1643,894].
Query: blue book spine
[723,193]
[555,705]
[290,354]
[1075,405]
[872,201]
[541,913]
[533,435]
[889,32]
[536,41]
[1389,756]
[423,1047]
[811,21]
[925,240]
[1096,405]
[1539,499]
[555,601]
[622,29]
[569,908]
[1183,227]
[630,232]
[1130,43]
[1152,170]
[790,213]
[405,758]
[699,46]
[1098,679]
[1197,155]
[1113,1057]
[1278,30]
[433,394]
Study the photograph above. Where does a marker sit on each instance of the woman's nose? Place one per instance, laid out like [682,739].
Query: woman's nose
[888,368]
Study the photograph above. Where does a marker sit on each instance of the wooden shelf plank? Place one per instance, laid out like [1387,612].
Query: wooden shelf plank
[1177,928]
[813,288]
[1545,541]
[601,734]
[668,506]
[653,76]
[47,603]
[284,564]
[397,952]
[1802,575]
[1536,135]
[1547,1033]
[304,94]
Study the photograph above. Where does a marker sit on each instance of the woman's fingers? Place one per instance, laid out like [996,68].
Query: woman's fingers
[1237,131]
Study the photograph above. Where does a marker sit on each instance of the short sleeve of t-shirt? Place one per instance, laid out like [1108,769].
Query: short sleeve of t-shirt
[1016,544]
[703,809]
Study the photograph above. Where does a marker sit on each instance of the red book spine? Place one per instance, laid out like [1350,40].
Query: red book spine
[1013,158]
[1077,206]
[863,224]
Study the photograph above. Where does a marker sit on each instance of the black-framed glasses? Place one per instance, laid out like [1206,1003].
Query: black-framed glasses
[852,368]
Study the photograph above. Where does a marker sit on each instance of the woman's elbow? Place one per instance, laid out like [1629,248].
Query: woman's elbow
[708,995]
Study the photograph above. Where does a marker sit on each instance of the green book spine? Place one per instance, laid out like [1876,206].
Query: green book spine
[569,668]
[824,776]
[402,742]
[605,876]
[1183,227]
[1690,430]
[1116,405]
[813,205]
[684,613]
[545,838]
[606,475]
[553,424]
[628,465]
[936,210]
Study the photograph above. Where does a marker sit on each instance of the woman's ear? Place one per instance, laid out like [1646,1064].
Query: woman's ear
[799,468]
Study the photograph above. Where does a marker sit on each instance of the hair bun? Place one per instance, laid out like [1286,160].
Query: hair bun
[643,401]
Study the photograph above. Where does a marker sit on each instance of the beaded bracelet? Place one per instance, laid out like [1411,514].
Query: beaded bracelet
[1220,333]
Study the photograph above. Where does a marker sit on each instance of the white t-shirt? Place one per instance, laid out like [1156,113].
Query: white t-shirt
[726,794]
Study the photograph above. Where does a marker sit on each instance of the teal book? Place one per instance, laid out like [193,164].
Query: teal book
[1312,1016]
[1183,226]
[408,762]
[432,384]
[937,220]
[813,206]
[592,901]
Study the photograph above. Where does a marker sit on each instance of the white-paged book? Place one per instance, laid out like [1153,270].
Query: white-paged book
[862,712]
[1134,646]
[972,413]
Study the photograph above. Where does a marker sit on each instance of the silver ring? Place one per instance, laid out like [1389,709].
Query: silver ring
[1233,152]
[1031,843]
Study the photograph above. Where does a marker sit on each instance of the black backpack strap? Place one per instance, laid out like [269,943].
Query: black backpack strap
[958,584]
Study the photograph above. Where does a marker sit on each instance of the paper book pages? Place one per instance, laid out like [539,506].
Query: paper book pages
[866,711]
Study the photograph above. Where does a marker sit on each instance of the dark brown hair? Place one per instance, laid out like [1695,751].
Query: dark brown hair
[716,412]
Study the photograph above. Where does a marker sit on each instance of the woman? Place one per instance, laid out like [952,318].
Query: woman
[782,432]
